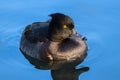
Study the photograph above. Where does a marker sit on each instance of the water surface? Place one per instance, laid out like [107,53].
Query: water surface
[97,20]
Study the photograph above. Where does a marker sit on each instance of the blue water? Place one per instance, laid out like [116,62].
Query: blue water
[98,20]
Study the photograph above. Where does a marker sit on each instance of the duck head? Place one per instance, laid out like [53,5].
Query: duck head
[61,27]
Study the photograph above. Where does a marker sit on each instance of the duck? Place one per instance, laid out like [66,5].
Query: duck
[53,40]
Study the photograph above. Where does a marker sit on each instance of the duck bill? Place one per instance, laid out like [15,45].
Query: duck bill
[76,35]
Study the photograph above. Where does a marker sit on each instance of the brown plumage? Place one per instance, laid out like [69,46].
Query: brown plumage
[48,41]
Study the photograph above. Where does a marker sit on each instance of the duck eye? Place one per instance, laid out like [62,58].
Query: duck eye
[65,26]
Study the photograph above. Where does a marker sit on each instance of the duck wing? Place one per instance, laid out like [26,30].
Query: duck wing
[36,32]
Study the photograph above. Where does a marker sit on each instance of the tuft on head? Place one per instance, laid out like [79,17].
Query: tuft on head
[60,18]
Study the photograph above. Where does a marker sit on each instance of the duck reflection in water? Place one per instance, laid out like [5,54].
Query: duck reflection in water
[60,70]
[68,73]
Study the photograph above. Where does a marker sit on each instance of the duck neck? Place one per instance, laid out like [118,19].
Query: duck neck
[59,41]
